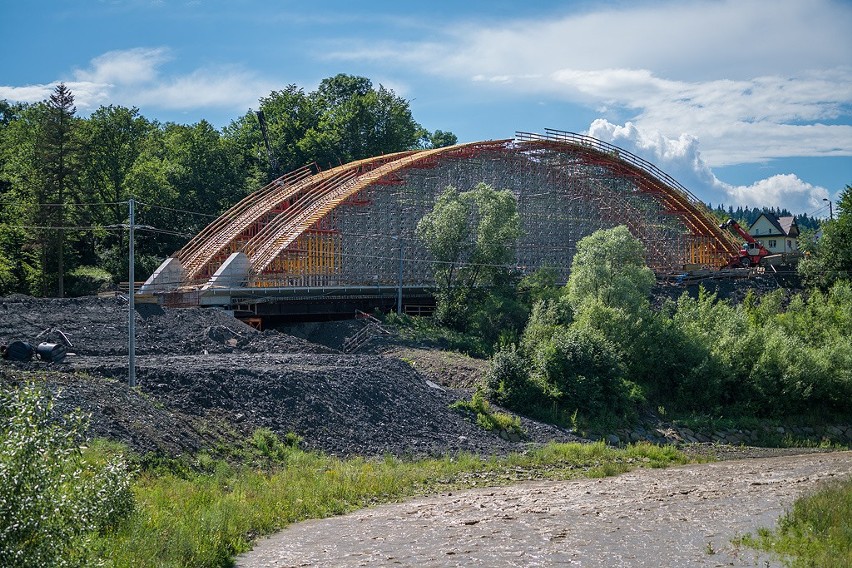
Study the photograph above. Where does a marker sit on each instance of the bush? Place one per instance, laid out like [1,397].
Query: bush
[817,531]
[584,370]
[486,417]
[87,280]
[53,498]
[269,445]
[508,383]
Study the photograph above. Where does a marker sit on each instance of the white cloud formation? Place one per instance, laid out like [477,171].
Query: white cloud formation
[223,87]
[26,94]
[753,81]
[133,77]
[128,67]
[681,158]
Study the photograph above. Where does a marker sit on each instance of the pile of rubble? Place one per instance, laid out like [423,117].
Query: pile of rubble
[205,378]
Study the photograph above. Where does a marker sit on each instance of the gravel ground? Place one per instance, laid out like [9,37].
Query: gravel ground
[205,378]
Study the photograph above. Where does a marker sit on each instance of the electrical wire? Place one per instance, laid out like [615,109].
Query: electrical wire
[69,204]
[208,215]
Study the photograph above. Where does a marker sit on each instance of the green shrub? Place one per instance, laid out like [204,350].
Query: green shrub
[53,498]
[87,280]
[271,446]
[507,382]
[488,418]
[584,370]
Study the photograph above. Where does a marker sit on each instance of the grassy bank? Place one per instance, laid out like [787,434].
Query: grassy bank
[204,518]
[817,531]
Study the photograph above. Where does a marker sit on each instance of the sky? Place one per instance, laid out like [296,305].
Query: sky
[745,102]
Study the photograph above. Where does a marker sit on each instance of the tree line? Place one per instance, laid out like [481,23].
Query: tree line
[65,180]
[745,216]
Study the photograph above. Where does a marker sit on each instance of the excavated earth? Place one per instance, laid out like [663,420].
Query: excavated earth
[206,379]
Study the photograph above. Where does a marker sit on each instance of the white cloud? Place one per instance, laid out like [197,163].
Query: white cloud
[222,87]
[27,94]
[681,158]
[134,77]
[128,67]
[740,121]
[785,190]
[753,81]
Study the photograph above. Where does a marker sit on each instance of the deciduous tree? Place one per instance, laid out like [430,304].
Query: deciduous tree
[471,237]
[609,266]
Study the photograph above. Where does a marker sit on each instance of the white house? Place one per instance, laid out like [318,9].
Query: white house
[777,234]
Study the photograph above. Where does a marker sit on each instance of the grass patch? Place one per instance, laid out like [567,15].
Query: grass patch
[817,531]
[424,330]
[205,517]
[488,418]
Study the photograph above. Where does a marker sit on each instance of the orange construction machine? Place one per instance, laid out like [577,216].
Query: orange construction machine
[751,253]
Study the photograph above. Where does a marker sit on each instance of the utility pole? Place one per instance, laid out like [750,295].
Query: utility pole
[830,209]
[131,316]
[399,289]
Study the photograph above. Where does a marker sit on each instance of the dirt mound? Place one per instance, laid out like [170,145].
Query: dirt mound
[205,378]
[98,326]
[733,290]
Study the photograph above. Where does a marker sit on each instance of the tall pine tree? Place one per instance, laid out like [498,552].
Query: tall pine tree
[61,168]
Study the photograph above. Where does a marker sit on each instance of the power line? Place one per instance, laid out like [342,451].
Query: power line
[179,210]
[64,228]
[69,204]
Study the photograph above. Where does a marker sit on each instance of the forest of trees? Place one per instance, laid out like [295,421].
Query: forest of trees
[65,180]
[745,216]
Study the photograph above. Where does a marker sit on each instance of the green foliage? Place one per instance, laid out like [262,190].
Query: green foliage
[540,285]
[345,119]
[601,351]
[271,446]
[583,371]
[428,331]
[609,266]
[547,317]
[54,499]
[488,418]
[830,257]
[87,280]
[817,531]
[470,236]
[509,384]
[438,139]
[495,315]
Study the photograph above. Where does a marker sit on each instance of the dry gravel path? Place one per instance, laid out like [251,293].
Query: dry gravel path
[681,516]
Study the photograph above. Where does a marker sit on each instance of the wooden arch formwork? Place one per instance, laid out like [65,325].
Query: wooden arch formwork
[354,225]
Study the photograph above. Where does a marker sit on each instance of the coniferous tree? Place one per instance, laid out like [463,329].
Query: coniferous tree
[59,153]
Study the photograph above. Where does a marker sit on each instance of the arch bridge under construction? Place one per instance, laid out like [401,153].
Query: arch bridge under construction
[347,234]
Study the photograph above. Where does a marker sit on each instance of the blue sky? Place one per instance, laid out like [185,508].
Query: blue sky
[745,102]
